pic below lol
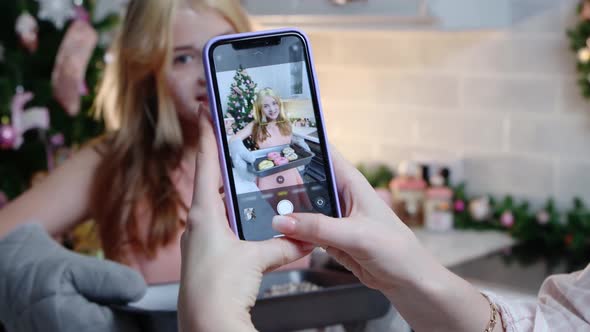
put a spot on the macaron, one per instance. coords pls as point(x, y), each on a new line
point(281, 161)
point(265, 164)
point(292, 156)
point(273, 155)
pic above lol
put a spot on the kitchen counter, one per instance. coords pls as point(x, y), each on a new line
point(308, 133)
point(459, 246)
point(454, 248)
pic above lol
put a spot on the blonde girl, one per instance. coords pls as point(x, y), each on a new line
point(269, 110)
point(136, 181)
point(271, 127)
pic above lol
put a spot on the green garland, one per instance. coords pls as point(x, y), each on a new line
point(580, 43)
point(378, 177)
point(547, 228)
point(547, 231)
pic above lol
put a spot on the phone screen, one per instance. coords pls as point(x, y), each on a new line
point(274, 138)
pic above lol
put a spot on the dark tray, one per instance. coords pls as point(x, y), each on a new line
point(341, 300)
point(305, 158)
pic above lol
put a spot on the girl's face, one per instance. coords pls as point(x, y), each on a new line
point(186, 77)
point(270, 108)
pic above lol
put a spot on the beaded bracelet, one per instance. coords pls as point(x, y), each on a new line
point(493, 315)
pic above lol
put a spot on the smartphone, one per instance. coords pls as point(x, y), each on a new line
point(266, 111)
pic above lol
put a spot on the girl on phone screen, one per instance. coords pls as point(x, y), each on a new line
point(271, 127)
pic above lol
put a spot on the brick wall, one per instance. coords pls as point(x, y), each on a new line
point(504, 101)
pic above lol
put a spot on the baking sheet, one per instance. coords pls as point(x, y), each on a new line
point(304, 159)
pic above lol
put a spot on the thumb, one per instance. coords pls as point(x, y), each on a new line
point(106, 282)
point(278, 252)
point(319, 229)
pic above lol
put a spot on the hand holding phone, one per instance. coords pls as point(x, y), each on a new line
point(275, 157)
point(373, 243)
point(221, 275)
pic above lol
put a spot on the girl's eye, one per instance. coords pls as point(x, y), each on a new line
point(183, 59)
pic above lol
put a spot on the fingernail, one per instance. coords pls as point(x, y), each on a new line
point(284, 224)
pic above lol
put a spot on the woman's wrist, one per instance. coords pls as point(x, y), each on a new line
point(439, 300)
point(217, 319)
point(223, 324)
point(211, 312)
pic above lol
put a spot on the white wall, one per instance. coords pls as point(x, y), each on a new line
point(506, 101)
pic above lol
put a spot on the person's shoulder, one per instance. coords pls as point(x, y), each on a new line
point(91, 153)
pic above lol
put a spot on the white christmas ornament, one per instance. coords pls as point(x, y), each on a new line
point(27, 29)
point(104, 8)
point(56, 11)
point(584, 55)
point(480, 208)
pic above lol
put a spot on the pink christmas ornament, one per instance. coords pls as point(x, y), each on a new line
point(459, 205)
point(24, 120)
point(81, 14)
point(57, 140)
point(84, 89)
point(7, 137)
point(507, 219)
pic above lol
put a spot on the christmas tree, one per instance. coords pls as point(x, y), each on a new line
point(240, 103)
point(51, 56)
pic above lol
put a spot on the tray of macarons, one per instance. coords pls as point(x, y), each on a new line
point(278, 159)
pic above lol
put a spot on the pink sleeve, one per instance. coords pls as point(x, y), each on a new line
point(563, 304)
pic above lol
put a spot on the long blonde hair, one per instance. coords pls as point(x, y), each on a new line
point(144, 142)
point(260, 131)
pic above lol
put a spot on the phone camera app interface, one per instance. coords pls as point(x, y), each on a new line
point(278, 160)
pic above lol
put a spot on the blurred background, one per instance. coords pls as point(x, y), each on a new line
point(470, 117)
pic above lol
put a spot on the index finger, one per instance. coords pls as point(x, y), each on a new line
point(207, 172)
point(319, 229)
